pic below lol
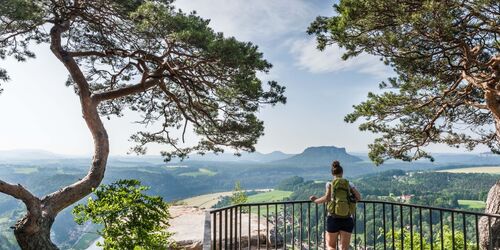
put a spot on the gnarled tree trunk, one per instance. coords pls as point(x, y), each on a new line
point(490, 229)
point(33, 230)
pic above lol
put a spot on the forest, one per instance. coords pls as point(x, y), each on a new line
point(439, 189)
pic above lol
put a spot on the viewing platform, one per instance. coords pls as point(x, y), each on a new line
point(378, 225)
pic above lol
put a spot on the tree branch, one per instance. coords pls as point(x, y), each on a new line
point(125, 91)
point(20, 193)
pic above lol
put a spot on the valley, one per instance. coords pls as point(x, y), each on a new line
point(447, 182)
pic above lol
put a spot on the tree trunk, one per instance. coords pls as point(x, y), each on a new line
point(33, 232)
point(490, 229)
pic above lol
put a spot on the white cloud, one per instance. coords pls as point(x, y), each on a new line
point(308, 57)
point(260, 20)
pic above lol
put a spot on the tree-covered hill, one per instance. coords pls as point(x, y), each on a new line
point(438, 189)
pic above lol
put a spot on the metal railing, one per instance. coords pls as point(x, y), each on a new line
point(378, 225)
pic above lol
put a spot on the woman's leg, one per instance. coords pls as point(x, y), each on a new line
point(345, 240)
point(331, 240)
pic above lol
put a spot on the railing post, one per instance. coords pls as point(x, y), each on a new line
point(392, 227)
point(364, 223)
point(207, 231)
point(230, 228)
point(276, 226)
point(453, 230)
point(225, 229)
point(430, 228)
point(249, 226)
point(374, 228)
point(258, 226)
point(300, 226)
point(421, 228)
point(441, 224)
point(490, 241)
point(220, 229)
point(464, 221)
point(309, 225)
point(236, 242)
point(402, 227)
point(241, 223)
point(293, 226)
point(214, 232)
point(325, 215)
point(267, 226)
point(477, 231)
point(284, 226)
point(317, 225)
point(383, 223)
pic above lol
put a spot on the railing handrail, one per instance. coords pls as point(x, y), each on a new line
point(362, 201)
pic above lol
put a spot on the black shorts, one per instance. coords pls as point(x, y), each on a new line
point(334, 225)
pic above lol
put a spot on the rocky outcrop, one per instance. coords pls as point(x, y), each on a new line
point(188, 228)
point(187, 225)
point(257, 232)
point(490, 229)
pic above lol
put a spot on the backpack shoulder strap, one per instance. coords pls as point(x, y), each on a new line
point(332, 189)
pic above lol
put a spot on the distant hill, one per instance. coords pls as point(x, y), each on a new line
point(317, 156)
point(467, 159)
point(27, 154)
point(250, 157)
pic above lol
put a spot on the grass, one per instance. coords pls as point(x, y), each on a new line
point(200, 172)
point(275, 195)
point(27, 170)
point(472, 204)
point(207, 200)
point(474, 170)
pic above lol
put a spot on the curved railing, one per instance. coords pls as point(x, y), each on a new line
point(378, 225)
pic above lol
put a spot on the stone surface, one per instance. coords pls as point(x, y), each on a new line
point(493, 225)
point(187, 225)
point(258, 231)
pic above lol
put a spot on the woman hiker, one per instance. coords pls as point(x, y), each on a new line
point(341, 198)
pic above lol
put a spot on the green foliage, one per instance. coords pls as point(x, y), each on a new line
point(131, 219)
point(407, 240)
point(290, 183)
point(448, 240)
point(275, 195)
point(196, 77)
point(436, 188)
point(239, 196)
point(446, 57)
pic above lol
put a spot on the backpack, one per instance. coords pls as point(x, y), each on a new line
point(342, 203)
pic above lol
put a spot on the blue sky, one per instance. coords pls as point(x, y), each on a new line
point(39, 112)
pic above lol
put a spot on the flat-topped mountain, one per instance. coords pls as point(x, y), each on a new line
point(324, 155)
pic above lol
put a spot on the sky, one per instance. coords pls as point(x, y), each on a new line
point(38, 112)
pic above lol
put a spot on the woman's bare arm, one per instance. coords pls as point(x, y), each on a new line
point(357, 195)
point(322, 199)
